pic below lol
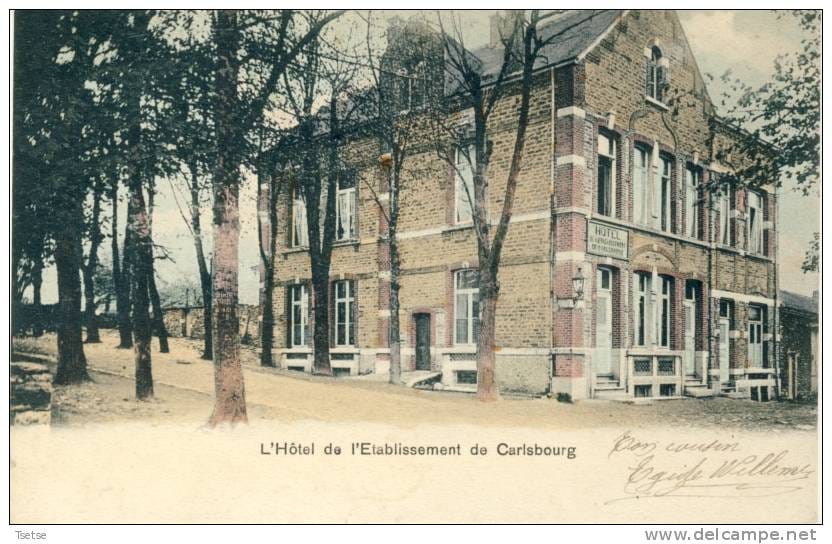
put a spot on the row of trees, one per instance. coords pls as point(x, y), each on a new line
point(111, 102)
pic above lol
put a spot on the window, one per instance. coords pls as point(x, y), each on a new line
point(663, 191)
point(692, 180)
point(641, 185)
point(345, 208)
point(646, 312)
point(663, 327)
point(755, 222)
point(466, 377)
point(756, 326)
point(299, 314)
point(344, 313)
point(643, 391)
point(412, 88)
point(300, 236)
point(642, 304)
point(464, 184)
point(466, 307)
point(657, 75)
point(725, 236)
point(606, 175)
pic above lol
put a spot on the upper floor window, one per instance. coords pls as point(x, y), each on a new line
point(466, 307)
point(412, 88)
point(300, 235)
point(663, 190)
point(726, 237)
point(344, 313)
point(641, 186)
point(465, 160)
point(298, 314)
point(606, 175)
point(755, 223)
point(345, 225)
point(692, 181)
point(657, 74)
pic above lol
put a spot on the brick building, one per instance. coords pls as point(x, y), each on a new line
point(799, 346)
point(620, 277)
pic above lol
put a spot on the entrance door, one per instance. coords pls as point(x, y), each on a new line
point(755, 336)
point(690, 337)
point(724, 350)
point(422, 341)
point(603, 322)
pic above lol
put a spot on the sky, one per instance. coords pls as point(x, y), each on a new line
point(745, 42)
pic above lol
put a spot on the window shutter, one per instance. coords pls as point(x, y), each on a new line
point(287, 312)
point(635, 309)
point(354, 294)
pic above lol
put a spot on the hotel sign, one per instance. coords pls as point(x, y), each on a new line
point(607, 241)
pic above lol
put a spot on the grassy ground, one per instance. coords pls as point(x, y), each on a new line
point(184, 391)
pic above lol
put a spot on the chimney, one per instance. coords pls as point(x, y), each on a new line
point(502, 25)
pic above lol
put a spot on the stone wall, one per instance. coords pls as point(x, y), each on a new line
point(190, 322)
point(30, 394)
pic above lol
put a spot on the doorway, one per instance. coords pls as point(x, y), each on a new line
point(422, 341)
point(603, 322)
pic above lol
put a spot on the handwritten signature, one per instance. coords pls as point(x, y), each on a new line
point(658, 472)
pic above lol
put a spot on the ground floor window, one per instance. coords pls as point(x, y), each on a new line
point(466, 377)
point(643, 391)
point(298, 315)
point(756, 326)
point(466, 307)
point(344, 313)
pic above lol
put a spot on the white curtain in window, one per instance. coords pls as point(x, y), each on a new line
point(301, 237)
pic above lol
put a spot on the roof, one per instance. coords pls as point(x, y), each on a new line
point(577, 30)
point(799, 302)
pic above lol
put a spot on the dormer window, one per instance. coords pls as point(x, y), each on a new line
point(657, 74)
point(412, 89)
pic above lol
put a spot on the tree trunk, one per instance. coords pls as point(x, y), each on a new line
point(267, 324)
point(229, 388)
point(204, 273)
point(267, 257)
point(320, 335)
point(37, 307)
point(486, 358)
point(158, 315)
point(120, 285)
point(72, 364)
point(89, 269)
point(394, 332)
point(137, 246)
point(93, 336)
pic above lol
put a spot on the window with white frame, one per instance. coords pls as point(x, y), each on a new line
point(466, 307)
point(663, 190)
point(465, 161)
point(641, 282)
point(299, 314)
point(756, 327)
point(413, 88)
point(344, 313)
point(641, 185)
point(657, 74)
point(345, 214)
point(692, 180)
point(755, 222)
point(664, 320)
point(606, 175)
point(300, 235)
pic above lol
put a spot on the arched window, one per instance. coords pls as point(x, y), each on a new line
point(657, 74)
